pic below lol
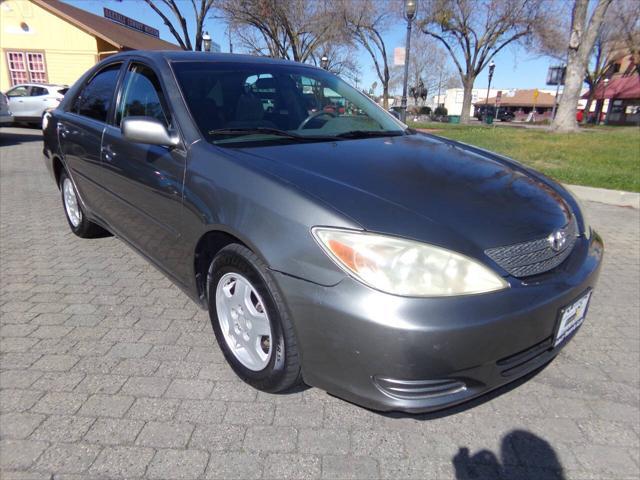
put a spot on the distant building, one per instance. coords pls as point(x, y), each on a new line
point(522, 103)
point(452, 99)
point(48, 41)
point(619, 97)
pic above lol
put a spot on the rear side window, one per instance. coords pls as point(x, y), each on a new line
point(96, 96)
point(38, 91)
point(142, 95)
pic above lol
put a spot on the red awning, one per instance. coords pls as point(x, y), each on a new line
point(620, 88)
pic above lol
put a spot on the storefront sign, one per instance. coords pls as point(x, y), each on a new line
point(130, 22)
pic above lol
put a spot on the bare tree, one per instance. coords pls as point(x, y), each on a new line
point(625, 13)
point(291, 29)
point(342, 60)
point(584, 32)
point(597, 71)
point(366, 24)
point(474, 31)
point(612, 42)
point(201, 9)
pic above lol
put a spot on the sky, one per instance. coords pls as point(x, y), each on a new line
point(515, 67)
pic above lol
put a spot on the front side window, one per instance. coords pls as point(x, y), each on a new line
point(96, 96)
point(141, 95)
point(21, 91)
point(238, 103)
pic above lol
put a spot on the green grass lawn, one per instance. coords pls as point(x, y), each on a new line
point(606, 157)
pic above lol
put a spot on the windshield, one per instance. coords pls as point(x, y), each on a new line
point(254, 103)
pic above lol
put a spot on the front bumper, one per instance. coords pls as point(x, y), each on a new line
point(421, 354)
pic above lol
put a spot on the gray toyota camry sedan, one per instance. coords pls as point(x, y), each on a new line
point(331, 244)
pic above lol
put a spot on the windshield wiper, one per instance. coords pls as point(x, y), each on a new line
point(370, 133)
point(266, 131)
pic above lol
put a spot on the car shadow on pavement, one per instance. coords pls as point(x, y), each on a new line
point(14, 136)
point(519, 449)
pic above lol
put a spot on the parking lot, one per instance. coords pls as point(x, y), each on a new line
point(109, 371)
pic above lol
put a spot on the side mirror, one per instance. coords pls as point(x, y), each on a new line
point(147, 130)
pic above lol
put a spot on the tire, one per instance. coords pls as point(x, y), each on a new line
point(230, 269)
point(76, 217)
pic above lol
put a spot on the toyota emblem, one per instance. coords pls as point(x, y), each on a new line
point(557, 240)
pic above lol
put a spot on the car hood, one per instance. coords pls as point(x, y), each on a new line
point(423, 187)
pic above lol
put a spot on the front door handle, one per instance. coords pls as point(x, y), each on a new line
point(62, 130)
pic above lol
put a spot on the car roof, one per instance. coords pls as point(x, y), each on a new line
point(188, 56)
point(46, 85)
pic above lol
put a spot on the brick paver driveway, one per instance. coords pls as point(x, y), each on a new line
point(108, 371)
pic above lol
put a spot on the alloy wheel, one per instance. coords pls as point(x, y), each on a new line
point(71, 205)
point(244, 321)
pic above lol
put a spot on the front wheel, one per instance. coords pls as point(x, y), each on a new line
point(250, 321)
point(78, 221)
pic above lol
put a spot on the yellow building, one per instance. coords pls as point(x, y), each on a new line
point(48, 41)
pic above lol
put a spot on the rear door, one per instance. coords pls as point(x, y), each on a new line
point(80, 130)
point(36, 102)
point(144, 181)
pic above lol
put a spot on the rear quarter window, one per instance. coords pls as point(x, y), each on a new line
point(96, 96)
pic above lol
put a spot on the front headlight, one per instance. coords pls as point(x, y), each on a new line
point(405, 267)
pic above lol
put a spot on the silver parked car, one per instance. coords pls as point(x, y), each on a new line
point(6, 118)
point(330, 243)
point(29, 101)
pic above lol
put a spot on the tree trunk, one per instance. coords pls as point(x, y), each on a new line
point(581, 42)
point(385, 96)
point(467, 84)
point(565, 120)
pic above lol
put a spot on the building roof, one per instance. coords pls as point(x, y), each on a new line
point(522, 98)
point(123, 38)
point(618, 88)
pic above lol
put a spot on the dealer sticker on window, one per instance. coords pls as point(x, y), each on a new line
point(571, 317)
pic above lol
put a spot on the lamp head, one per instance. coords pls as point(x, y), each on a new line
point(410, 9)
point(206, 40)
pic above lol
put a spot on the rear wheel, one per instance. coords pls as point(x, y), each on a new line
point(78, 221)
point(250, 321)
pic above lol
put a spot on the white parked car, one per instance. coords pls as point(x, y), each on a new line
point(29, 101)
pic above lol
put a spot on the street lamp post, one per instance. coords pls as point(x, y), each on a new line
point(206, 40)
point(410, 9)
point(492, 67)
point(324, 62)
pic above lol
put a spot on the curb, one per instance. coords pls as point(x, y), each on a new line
point(610, 197)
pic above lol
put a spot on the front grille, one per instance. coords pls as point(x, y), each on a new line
point(537, 256)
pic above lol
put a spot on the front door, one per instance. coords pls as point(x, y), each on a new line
point(18, 103)
point(144, 181)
